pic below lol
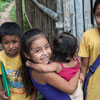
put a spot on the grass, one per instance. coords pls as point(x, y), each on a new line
point(4, 4)
point(13, 16)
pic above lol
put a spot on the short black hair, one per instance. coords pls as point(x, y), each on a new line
point(9, 28)
point(64, 46)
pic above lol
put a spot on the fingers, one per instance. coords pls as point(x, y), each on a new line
point(2, 95)
point(28, 63)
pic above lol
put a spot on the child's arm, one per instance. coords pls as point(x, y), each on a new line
point(53, 66)
point(2, 93)
point(84, 68)
point(58, 82)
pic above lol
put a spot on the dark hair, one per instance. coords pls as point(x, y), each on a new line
point(65, 46)
point(97, 2)
point(9, 28)
point(26, 41)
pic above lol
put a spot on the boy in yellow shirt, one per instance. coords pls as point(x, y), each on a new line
point(89, 51)
point(10, 33)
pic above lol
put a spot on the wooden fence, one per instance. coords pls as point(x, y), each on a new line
point(69, 14)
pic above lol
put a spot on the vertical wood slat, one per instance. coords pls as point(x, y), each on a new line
point(79, 18)
point(87, 14)
point(72, 13)
point(94, 21)
point(66, 15)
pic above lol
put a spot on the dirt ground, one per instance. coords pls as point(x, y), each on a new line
point(4, 16)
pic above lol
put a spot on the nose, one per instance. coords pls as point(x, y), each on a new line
point(11, 45)
point(45, 52)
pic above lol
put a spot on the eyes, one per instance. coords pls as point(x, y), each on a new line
point(98, 15)
point(40, 49)
point(7, 42)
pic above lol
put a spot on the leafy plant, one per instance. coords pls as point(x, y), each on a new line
point(13, 16)
point(4, 4)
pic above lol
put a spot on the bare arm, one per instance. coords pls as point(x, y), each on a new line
point(43, 67)
point(84, 68)
point(58, 82)
point(2, 93)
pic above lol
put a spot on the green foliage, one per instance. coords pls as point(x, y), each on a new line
point(4, 4)
point(25, 23)
point(13, 16)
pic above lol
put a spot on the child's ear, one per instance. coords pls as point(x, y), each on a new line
point(27, 56)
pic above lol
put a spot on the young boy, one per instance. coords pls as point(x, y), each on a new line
point(10, 56)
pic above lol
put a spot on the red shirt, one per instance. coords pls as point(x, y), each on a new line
point(68, 73)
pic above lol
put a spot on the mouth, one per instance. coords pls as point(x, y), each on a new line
point(45, 59)
point(12, 51)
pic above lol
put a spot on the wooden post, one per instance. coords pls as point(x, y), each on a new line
point(67, 26)
point(19, 13)
point(72, 16)
point(79, 18)
point(87, 14)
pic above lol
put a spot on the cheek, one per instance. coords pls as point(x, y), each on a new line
point(35, 57)
point(98, 21)
point(18, 45)
point(50, 51)
point(5, 47)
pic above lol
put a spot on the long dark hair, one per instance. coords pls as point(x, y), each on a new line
point(26, 42)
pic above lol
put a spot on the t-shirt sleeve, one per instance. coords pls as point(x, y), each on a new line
point(84, 47)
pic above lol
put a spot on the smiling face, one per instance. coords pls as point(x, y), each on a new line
point(97, 15)
point(40, 50)
point(11, 45)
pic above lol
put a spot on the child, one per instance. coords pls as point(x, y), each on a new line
point(65, 46)
point(89, 51)
point(10, 56)
point(35, 47)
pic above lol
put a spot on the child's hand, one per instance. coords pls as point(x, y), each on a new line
point(28, 63)
point(82, 78)
point(45, 68)
point(3, 96)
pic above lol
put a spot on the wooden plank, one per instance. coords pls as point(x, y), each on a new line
point(79, 19)
point(72, 16)
point(66, 15)
point(87, 14)
point(94, 21)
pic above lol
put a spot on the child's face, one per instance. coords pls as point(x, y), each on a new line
point(41, 51)
point(97, 15)
point(11, 45)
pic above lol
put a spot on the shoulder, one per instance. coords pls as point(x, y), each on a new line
point(90, 32)
point(89, 35)
point(44, 77)
point(2, 54)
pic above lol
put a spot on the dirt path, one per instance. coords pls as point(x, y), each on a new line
point(4, 16)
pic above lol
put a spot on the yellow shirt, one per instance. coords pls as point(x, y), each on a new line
point(15, 82)
point(90, 47)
